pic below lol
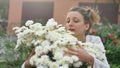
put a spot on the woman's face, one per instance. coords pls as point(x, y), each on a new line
point(75, 23)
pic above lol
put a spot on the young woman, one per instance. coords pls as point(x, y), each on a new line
point(80, 20)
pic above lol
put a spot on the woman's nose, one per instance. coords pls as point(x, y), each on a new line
point(70, 23)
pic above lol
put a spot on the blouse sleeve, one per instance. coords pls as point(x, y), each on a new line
point(98, 63)
point(23, 65)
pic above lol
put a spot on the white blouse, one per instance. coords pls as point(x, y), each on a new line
point(97, 63)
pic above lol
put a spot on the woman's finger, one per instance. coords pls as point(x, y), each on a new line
point(72, 49)
point(79, 45)
point(70, 52)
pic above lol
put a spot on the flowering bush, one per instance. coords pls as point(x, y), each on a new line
point(110, 35)
point(10, 58)
point(49, 42)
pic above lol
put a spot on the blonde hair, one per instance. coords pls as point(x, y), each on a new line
point(94, 14)
point(91, 15)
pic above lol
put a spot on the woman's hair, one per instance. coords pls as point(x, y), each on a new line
point(91, 16)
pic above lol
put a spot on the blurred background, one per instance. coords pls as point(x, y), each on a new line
point(17, 12)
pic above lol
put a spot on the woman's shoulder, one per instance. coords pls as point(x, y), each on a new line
point(94, 39)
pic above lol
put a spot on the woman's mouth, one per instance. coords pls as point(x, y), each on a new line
point(72, 30)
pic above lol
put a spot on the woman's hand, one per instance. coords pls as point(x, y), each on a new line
point(81, 53)
point(27, 64)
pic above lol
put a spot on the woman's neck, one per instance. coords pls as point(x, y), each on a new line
point(81, 38)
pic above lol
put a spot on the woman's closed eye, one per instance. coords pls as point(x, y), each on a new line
point(76, 20)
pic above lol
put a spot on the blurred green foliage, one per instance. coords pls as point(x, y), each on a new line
point(110, 36)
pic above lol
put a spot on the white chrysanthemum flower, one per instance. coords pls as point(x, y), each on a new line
point(26, 34)
point(61, 42)
point(65, 59)
point(18, 30)
point(99, 48)
point(20, 35)
point(37, 42)
point(38, 61)
point(58, 55)
point(89, 50)
point(44, 60)
point(45, 43)
point(54, 65)
point(46, 48)
point(29, 22)
point(28, 31)
point(51, 23)
point(24, 28)
point(28, 44)
point(38, 50)
point(36, 27)
point(44, 57)
point(71, 39)
point(59, 25)
point(33, 41)
point(40, 33)
point(53, 47)
point(40, 66)
point(61, 62)
point(33, 60)
point(77, 64)
point(15, 28)
point(61, 30)
point(21, 29)
point(75, 58)
point(53, 36)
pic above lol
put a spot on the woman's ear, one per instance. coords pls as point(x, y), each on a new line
point(87, 26)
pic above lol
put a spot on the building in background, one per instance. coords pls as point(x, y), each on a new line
point(21, 10)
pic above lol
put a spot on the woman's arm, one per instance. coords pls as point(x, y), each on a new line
point(98, 63)
point(85, 57)
point(101, 64)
